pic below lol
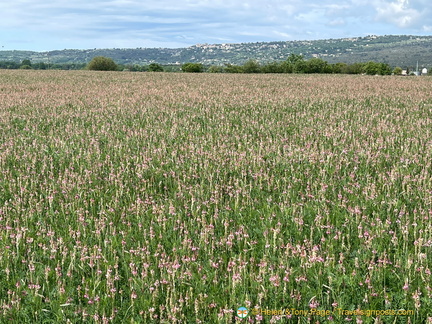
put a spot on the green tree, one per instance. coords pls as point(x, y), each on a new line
point(192, 67)
point(300, 66)
point(231, 68)
point(155, 67)
point(101, 63)
point(286, 67)
point(26, 62)
point(273, 67)
point(251, 66)
point(25, 67)
point(9, 65)
point(371, 68)
point(355, 68)
point(40, 66)
point(295, 63)
point(397, 70)
point(339, 68)
point(215, 69)
point(316, 65)
point(374, 68)
point(385, 69)
point(294, 58)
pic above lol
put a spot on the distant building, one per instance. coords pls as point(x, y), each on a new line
point(424, 71)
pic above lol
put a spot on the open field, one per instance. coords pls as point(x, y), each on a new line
point(177, 198)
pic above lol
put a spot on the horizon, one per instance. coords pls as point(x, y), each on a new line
point(210, 44)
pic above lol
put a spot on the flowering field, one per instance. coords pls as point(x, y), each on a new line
point(178, 198)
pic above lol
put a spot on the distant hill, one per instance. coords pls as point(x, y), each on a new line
point(396, 50)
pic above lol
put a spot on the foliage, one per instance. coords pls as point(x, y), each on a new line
point(9, 65)
point(355, 68)
point(26, 63)
point(286, 67)
point(251, 66)
point(215, 69)
point(131, 67)
point(192, 67)
point(273, 67)
point(293, 64)
point(155, 67)
point(317, 65)
point(338, 68)
point(172, 68)
point(294, 58)
point(40, 66)
point(375, 68)
point(231, 68)
point(101, 63)
point(397, 70)
point(43, 66)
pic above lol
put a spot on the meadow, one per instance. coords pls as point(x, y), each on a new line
point(177, 198)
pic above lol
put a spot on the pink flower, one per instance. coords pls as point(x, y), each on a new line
point(313, 304)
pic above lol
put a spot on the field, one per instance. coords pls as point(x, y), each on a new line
point(177, 198)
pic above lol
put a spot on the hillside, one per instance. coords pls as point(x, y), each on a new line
point(400, 50)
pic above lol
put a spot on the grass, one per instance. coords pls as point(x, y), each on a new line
point(177, 198)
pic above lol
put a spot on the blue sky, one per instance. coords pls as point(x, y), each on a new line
point(82, 24)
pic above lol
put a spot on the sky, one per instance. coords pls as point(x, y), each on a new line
point(41, 25)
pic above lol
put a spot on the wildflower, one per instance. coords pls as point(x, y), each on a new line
point(406, 286)
point(313, 304)
point(416, 296)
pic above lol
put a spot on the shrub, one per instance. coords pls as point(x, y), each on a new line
point(192, 67)
point(155, 67)
point(397, 71)
point(215, 69)
point(101, 63)
point(251, 66)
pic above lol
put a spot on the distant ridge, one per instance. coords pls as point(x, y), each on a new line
point(396, 50)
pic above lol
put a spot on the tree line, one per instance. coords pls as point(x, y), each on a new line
point(293, 64)
point(27, 65)
point(298, 64)
point(98, 63)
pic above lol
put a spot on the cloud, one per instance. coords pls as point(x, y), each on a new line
point(337, 22)
point(404, 13)
point(38, 24)
point(397, 12)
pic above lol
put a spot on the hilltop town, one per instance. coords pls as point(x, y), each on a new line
point(396, 50)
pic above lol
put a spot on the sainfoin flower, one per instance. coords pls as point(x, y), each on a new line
point(162, 197)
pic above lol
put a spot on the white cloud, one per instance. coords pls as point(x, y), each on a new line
point(404, 13)
point(283, 35)
point(337, 22)
point(40, 24)
point(396, 12)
